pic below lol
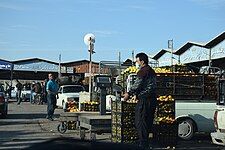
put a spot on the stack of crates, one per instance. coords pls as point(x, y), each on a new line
point(165, 125)
point(123, 128)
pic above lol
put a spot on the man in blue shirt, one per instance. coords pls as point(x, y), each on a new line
point(52, 89)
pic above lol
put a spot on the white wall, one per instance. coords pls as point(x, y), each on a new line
point(219, 50)
point(165, 60)
point(194, 54)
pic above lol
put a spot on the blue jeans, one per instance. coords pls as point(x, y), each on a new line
point(51, 101)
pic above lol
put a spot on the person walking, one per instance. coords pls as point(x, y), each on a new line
point(32, 93)
point(144, 88)
point(52, 89)
point(19, 87)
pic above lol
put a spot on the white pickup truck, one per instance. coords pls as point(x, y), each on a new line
point(218, 137)
point(192, 115)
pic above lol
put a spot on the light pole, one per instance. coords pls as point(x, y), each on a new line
point(89, 40)
point(59, 74)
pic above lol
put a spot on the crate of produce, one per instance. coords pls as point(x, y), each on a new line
point(124, 119)
point(165, 126)
point(72, 106)
point(165, 111)
point(166, 134)
point(123, 106)
point(123, 116)
point(89, 106)
point(122, 134)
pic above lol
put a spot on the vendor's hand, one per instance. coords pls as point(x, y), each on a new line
point(126, 96)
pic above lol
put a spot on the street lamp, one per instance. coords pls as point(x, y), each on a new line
point(89, 40)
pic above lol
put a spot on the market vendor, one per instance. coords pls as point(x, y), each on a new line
point(144, 88)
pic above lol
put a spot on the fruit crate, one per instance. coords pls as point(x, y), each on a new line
point(122, 106)
point(165, 111)
point(90, 106)
point(123, 116)
point(72, 106)
point(166, 134)
point(165, 126)
point(187, 86)
point(123, 134)
point(124, 119)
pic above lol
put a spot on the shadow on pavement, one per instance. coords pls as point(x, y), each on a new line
point(13, 135)
point(29, 116)
point(71, 143)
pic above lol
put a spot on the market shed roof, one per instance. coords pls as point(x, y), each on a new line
point(77, 62)
point(186, 46)
point(33, 60)
point(160, 53)
point(216, 40)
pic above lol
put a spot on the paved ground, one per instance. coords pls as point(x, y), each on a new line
point(26, 125)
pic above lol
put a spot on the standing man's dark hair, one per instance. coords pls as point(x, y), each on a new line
point(142, 57)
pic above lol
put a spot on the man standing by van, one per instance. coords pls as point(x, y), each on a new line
point(19, 87)
point(52, 89)
point(144, 88)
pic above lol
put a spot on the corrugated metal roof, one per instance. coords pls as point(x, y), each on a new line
point(34, 60)
point(188, 45)
point(216, 40)
point(160, 53)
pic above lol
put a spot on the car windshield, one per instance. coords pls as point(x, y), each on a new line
point(73, 89)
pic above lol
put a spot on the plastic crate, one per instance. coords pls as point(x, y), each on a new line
point(123, 134)
point(123, 119)
point(166, 135)
point(122, 106)
point(89, 107)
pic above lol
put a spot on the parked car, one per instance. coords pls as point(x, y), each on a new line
point(68, 93)
point(3, 104)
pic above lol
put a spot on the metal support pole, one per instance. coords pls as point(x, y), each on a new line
point(133, 58)
point(59, 75)
point(102, 101)
point(119, 64)
point(210, 57)
point(11, 78)
point(170, 46)
point(90, 73)
point(99, 68)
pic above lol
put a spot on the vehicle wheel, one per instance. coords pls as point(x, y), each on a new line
point(92, 136)
point(62, 127)
point(186, 129)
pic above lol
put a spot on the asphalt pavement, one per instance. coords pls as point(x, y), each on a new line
point(26, 125)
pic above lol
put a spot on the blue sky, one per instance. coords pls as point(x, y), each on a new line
point(46, 28)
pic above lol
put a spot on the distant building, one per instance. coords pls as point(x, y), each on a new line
point(82, 66)
point(33, 69)
point(196, 54)
point(163, 57)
